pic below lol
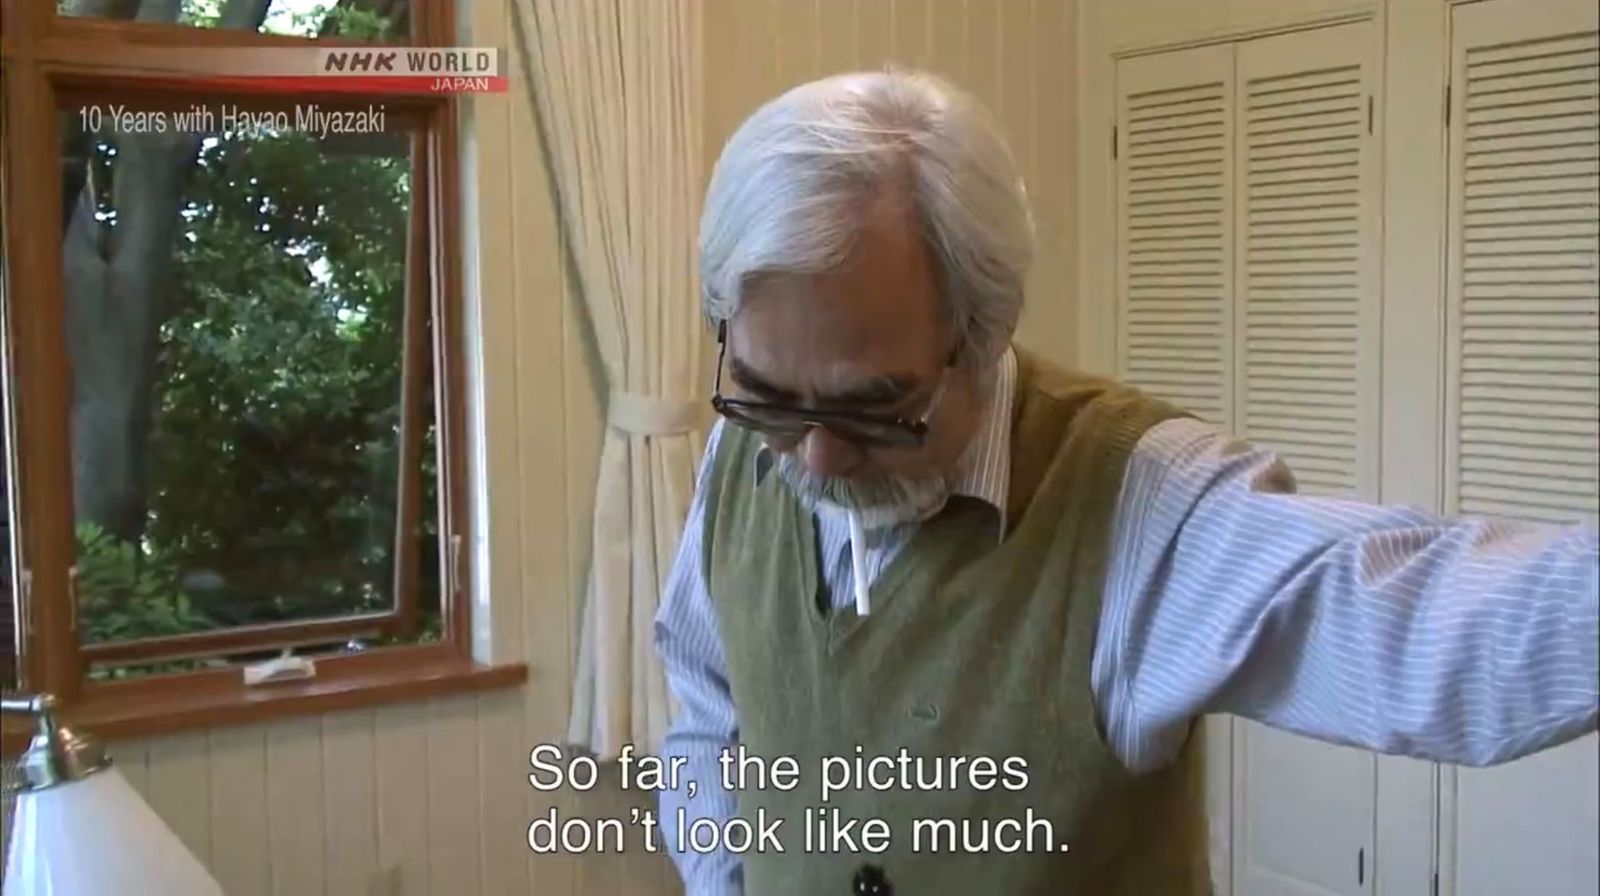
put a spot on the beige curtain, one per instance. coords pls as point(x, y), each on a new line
point(616, 91)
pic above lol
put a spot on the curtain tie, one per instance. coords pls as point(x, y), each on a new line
point(646, 415)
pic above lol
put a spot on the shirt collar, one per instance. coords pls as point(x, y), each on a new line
point(985, 469)
point(984, 472)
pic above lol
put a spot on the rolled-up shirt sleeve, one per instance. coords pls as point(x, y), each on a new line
point(1459, 640)
point(705, 724)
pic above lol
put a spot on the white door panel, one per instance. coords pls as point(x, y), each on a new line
point(1523, 383)
point(1529, 826)
point(1307, 207)
point(1304, 815)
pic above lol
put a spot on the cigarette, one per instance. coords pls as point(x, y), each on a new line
point(858, 563)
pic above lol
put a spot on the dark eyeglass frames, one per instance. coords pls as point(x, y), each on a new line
point(793, 422)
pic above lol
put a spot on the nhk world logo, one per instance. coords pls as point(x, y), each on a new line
point(352, 70)
point(439, 70)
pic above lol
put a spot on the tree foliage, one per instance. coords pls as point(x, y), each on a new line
point(273, 434)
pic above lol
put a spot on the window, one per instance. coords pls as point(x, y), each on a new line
point(235, 379)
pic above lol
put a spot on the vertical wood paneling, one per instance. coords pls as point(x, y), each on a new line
point(1049, 319)
point(948, 41)
point(1060, 126)
point(641, 871)
point(770, 72)
point(727, 27)
point(794, 23)
point(400, 757)
point(835, 28)
point(178, 779)
point(759, 38)
point(502, 780)
point(875, 33)
point(349, 802)
point(913, 29)
point(295, 824)
point(761, 25)
point(130, 758)
point(605, 869)
point(983, 52)
point(453, 795)
point(1014, 102)
point(598, 872)
point(239, 845)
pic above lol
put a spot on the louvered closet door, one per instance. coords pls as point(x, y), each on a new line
point(1306, 347)
point(1309, 236)
point(1175, 277)
point(1525, 366)
point(1174, 227)
point(1523, 325)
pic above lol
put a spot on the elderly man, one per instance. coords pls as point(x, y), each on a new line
point(994, 586)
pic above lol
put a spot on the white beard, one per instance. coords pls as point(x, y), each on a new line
point(881, 502)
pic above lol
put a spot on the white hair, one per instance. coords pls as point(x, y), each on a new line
point(789, 193)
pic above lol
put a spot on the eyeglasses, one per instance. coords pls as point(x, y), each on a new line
point(792, 422)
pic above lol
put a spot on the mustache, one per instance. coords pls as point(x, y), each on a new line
point(859, 493)
point(880, 499)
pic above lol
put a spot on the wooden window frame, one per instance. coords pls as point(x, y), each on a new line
point(49, 59)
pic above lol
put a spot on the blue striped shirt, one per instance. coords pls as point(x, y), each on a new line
point(1466, 641)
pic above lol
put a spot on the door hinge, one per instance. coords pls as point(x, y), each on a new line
point(1447, 105)
point(1361, 866)
point(1435, 883)
point(1369, 116)
point(1113, 143)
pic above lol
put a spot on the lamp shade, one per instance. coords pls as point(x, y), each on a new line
point(96, 837)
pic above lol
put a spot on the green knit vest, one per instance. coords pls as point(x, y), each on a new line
point(977, 646)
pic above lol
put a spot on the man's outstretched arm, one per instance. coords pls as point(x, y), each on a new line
point(1467, 641)
point(691, 650)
